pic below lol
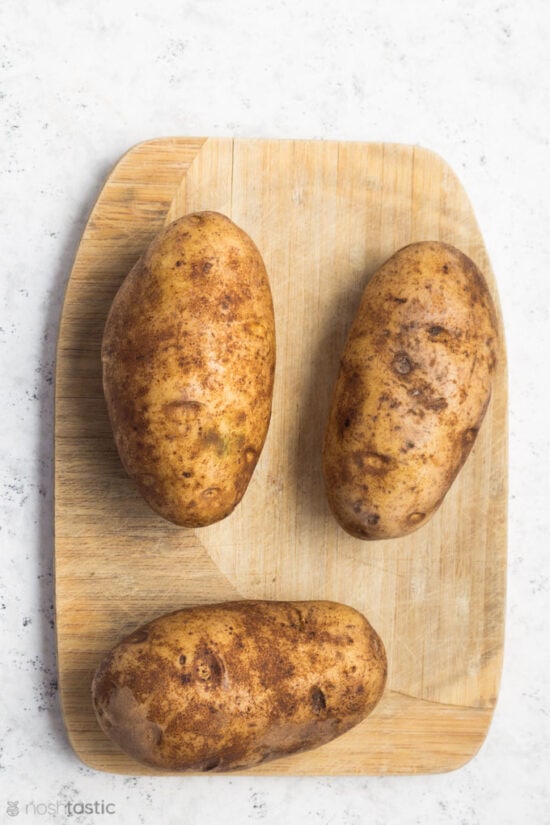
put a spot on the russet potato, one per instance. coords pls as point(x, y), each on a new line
point(414, 384)
point(188, 365)
point(232, 685)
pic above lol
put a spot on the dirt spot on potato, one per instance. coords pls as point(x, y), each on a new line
point(350, 397)
point(408, 445)
point(317, 700)
point(372, 462)
point(208, 667)
point(425, 396)
point(211, 492)
point(402, 364)
point(173, 408)
point(212, 438)
point(436, 331)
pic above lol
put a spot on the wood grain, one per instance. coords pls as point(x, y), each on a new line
point(324, 215)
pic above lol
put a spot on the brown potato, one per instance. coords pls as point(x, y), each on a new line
point(232, 685)
point(188, 364)
point(412, 391)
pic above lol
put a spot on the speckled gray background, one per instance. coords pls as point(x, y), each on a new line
point(81, 82)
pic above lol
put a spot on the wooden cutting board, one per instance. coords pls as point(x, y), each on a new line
point(325, 215)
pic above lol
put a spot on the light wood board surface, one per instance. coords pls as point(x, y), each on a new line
point(325, 215)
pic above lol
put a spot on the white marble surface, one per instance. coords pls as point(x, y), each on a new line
point(80, 82)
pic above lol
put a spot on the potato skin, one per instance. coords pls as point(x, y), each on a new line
point(413, 387)
point(188, 365)
point(231, 685)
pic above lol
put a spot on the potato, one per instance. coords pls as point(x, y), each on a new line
point(413, 387)
point(188, 364)
point(231, 685)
